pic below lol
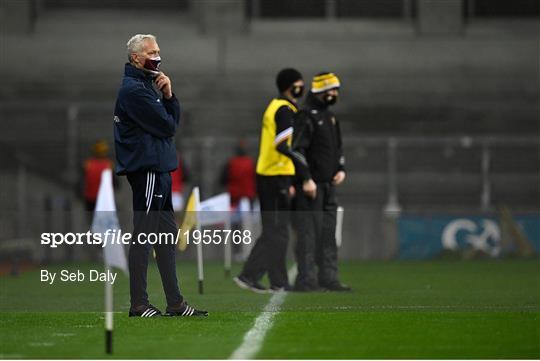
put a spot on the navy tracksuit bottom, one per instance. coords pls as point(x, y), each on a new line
point(153, 213)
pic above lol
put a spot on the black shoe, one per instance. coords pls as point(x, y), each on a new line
point(337, 287)
point(276, 289)
point(247, 284)
point(185, 310)
point(148, 311)
point(301, 287)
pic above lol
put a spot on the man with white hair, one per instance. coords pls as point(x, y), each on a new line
point(146, 117)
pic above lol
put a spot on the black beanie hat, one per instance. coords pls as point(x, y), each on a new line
point(286, 78)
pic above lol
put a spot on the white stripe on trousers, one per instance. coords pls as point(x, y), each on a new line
point(150, 194)
point(147, 183)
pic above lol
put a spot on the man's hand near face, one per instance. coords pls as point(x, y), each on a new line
point(164, 84)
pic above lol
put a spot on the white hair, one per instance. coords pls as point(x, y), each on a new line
point(135, 44)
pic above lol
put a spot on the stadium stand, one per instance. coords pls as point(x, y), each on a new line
point(445, 98)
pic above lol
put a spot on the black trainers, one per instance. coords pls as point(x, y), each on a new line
point(247, 284)
point(337, 287)
point(185, 310)
point(302, 287)
point(276, 289)
point(148, 311)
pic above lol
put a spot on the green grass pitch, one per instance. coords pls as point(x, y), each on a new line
point(436, 309)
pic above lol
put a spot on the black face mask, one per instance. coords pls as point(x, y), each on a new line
point(297, 91)
point(330, 99)
point(152, 66)
point(152, 63)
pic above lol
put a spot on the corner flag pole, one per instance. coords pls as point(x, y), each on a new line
point(228, 248)
point(104, 219)
point(339, 226)
point(200, 266)
point(199, 245)
point(108, 315)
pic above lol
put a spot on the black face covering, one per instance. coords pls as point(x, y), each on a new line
point(151, 66)
point(153, 63)
point(330, 99)
point(297, 91)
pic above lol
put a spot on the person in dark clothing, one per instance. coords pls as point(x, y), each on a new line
point(317, 137)
point(146, 117)
point(275, 171)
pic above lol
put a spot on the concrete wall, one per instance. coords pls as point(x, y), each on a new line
point(397, 79)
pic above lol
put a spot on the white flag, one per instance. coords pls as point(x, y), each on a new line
point(105, 218)
point(215, 210)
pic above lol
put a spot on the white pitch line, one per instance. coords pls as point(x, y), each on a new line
point(253, 339)
point(63, 334)
point(10, 355)
point(41, 344)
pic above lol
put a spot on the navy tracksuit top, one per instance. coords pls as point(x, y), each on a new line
point(144, 125)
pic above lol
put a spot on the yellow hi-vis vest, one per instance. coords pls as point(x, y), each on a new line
point(270, 161)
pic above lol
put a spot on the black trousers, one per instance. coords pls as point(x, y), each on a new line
point(153, 213)
point(315, 225)
point(270, 250)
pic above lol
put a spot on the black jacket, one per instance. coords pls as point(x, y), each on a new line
point(317, 137)
point(144, 125)
point(284, 121)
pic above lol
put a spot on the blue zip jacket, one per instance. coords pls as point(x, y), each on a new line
point(144, 125)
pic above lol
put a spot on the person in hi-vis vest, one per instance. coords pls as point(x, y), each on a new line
point(275, 173)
